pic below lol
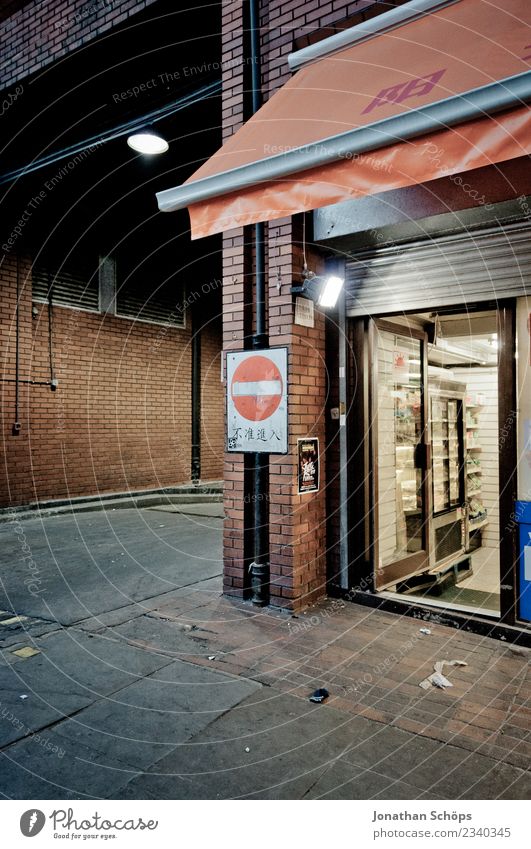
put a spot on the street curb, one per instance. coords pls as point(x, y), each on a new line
point(207, 493)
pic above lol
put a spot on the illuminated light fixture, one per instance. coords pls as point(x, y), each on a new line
point(148, 141)
point(324, 291)
point(330, 291)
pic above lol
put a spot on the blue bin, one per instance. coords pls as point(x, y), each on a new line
point(523, 517)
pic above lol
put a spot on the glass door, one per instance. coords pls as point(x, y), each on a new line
point(400, 453)
point(446, 452)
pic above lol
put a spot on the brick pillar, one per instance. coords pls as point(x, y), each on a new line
point(235, 310)
point(297, 522)
point(234, 315)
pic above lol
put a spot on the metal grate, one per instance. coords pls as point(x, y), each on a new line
point(137, 301)
point(448, 540)
point(70, 287)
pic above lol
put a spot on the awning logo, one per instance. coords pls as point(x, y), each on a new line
point(403, 91)
point(32, 822)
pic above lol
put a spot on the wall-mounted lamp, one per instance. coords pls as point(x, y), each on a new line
point(323, 290)
point(148, 141)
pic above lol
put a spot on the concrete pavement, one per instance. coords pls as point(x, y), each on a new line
point(146, 683)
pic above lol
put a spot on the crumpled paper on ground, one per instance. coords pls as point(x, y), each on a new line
point(437, 679)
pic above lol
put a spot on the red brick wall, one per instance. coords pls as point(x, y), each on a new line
point(121, 416)
point(298, 542)
point(235, 326)
point(212, 402)
point(40, 33)
point(297, 522)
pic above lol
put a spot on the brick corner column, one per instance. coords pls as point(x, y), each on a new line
point(297, 522)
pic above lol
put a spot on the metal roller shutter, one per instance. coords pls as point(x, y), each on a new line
point(463, 268)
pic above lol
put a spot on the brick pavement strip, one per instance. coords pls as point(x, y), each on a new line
point(379, 735)
point(477, 711)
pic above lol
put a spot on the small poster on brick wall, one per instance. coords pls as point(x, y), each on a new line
point(304, 312)
point(308, 454)
point(257, 401)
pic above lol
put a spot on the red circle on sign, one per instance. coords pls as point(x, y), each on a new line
point(256, 388)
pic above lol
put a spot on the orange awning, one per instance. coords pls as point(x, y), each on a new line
point(440, 95)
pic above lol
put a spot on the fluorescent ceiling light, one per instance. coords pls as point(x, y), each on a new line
point(148, 141)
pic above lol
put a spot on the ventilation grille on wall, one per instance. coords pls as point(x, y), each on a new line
point(135, 300)
point(70, 287)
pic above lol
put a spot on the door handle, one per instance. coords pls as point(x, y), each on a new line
point(420, 455)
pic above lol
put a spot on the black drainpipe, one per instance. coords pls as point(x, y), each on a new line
point(196, 399)
point(16, 424)
point(260, 564)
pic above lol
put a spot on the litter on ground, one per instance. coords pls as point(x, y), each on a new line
point(319, 695)
point(437, 679)
point(26, 651)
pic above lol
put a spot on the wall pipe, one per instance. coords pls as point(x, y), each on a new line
point(196, 399)
point(260, 565)
point(339, 268)
point(53, 382)
point(16, 424)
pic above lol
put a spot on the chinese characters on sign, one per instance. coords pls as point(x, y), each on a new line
point(308, 454)
point(257, 404)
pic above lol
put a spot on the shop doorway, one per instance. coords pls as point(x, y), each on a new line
point(435, 458)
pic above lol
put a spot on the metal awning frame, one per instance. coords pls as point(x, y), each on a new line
point(485, 101)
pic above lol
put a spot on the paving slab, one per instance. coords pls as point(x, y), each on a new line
point(165, 636)
point(342, 781)
point(295, 751)
point(276, 746)
point(100, 749)
point(57, 768)
point(72, 670)
point(445, 770)
point(147, 720)
point(87, 564)
point(130, 614)
point(271, 743)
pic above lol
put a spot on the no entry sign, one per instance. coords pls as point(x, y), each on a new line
point(257, 401)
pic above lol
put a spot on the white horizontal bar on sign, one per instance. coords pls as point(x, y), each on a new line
point(257, 387)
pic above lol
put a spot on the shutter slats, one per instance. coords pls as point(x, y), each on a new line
point(136, 301)
point(475, 266)
point(69, 288)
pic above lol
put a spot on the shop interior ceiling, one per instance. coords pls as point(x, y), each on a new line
point(105, 200)
point(465, 338)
